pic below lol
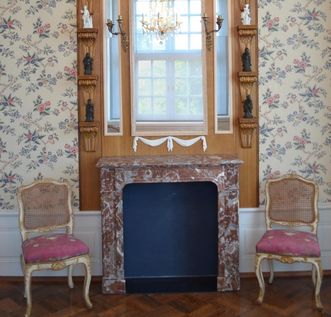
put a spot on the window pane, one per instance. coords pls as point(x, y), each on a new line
point(112, 84)
point(160, 106)
point(195, 68)
point(195, 105)
point(180, 69)
point(181, 42)
point(159, 67)
point(167, 81)
point(195, 87)
point(195, 24)
point(223, 91)
point(145, 87)
point(195, 7)
point(181, 105)
point(144, 105)
point(144, 68)
point(181, 87)
point(160, 87)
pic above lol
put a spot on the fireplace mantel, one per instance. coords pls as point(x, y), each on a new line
point(117, 172)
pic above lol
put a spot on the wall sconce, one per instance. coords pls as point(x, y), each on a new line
point(209, 38)
point(124, 38)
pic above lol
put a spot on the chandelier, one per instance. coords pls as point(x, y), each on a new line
point(161, 19)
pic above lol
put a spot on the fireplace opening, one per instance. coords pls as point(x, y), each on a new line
point(170, 237)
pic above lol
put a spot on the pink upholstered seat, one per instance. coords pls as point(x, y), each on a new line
point(287, 242)
point(52, 247)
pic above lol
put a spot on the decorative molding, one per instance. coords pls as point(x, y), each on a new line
point(88, 83)
point(247, 127)
point(89, 131)
point(88, 37)
point(246, 34)
point(170, 143)
point(246, 80)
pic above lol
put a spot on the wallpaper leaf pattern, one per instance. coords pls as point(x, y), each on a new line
point(295, 96)
point(38, 95)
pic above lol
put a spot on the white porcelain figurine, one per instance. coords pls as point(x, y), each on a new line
point(246, 15)
point(87, 19)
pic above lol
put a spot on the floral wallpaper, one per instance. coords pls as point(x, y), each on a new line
point(295, 91)
point(38, 95)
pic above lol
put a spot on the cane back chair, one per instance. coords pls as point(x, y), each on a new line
point(291, 201)
point(45, 207)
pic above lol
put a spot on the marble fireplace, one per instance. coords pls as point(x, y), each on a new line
point(117, 172)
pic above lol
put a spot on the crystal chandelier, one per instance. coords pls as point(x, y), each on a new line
point(161, 19)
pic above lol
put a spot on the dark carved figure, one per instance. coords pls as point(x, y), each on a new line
point(89, 111)
point(246, 59)
point(248, 107)
point(88, 61)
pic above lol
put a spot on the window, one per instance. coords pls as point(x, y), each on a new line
point(112, 91)
point(168, 78)
point(223, 63)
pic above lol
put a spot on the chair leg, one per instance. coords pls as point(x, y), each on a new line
point(23, 270)
point(27, 291)
point(271, 268)
point(70, 281)
point(87, 281)
point(319, 273)
point(259, 275)
point(313, 274)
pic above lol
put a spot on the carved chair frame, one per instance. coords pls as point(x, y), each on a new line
point(317, 271)
point(28, 268)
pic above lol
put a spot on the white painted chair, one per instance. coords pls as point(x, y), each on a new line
point(291, 202)
point(45, 206)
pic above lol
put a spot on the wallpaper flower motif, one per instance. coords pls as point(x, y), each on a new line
point(38, 95)
point(295, 96)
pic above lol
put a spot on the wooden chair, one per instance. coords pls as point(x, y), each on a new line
point(291, 202)
point(45, 207)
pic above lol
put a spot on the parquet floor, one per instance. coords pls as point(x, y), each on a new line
point(285, 297)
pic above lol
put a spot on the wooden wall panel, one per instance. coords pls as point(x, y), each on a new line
point(217, 143)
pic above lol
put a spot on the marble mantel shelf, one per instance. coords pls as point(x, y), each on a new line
point(166, 160)
point(117, 172)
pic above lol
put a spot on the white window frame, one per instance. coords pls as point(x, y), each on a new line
point(112, 43)
point(226, 120)
point(166, 127)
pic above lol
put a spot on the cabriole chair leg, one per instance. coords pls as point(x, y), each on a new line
point(259, 275)
point(87, 282)
point(27, 292)
point(318, 269)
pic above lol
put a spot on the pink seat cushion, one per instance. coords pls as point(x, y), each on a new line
point(53, 247)
point(287, 242)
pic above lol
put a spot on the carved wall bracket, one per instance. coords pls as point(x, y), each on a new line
point(88, 38)
point(247, 80)
point(246, 34)
point(89, 131)
point(88, 83)
point(247, 127)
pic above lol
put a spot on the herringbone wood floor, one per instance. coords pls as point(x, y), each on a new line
point(287, 296)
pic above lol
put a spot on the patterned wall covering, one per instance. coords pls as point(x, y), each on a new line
point(38, 95)
point(295, 90)
point(38, 102)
